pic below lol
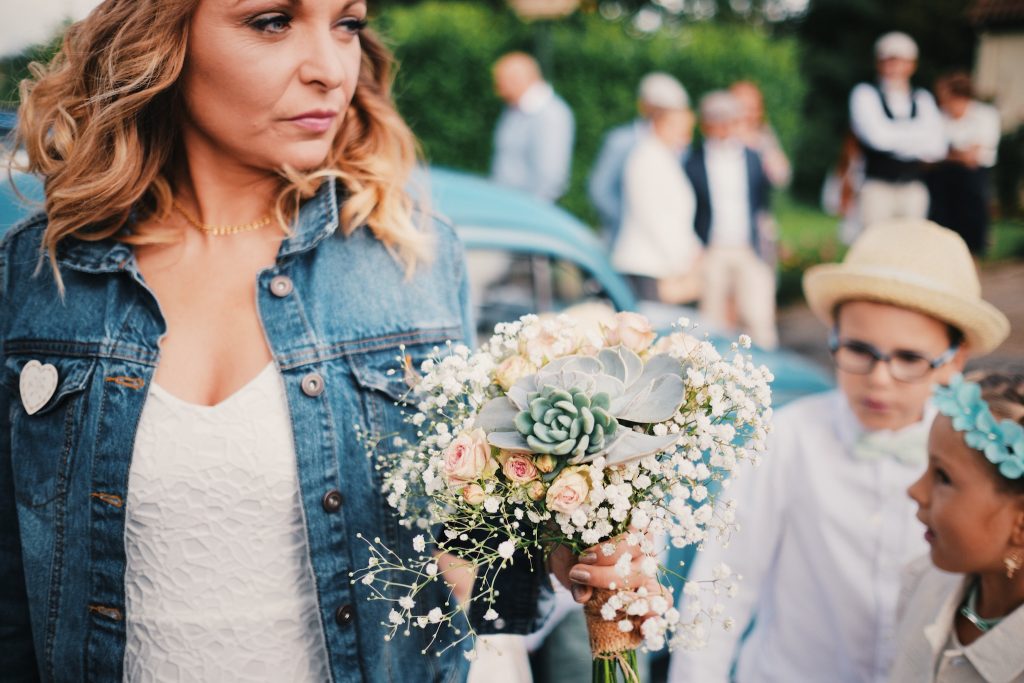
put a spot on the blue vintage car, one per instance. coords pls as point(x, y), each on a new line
point(525, 256)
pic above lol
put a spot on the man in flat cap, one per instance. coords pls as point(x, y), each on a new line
point(899, 129)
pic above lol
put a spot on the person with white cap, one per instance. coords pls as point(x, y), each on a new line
point(899, 128)
point(657, 91)
point(732, 192)
point(825, 526)
point(656, 247)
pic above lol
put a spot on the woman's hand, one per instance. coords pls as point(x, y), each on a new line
point(458, 574)
point(596, 569)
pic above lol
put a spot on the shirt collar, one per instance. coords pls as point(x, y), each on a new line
point(535, 97)
point(997, 655)
point(318, 218)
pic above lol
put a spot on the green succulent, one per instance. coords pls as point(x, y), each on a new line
point(566, 421)
point(581, 408)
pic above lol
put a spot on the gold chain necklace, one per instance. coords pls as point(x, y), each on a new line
point(218, 230)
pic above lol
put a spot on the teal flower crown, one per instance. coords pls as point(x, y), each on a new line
point(1002, 442)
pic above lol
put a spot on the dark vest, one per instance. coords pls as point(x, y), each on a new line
point(885, 166)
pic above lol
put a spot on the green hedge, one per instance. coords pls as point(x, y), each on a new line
point(446, 50)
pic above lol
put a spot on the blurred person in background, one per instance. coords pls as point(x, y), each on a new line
point(657, 91)
point(657, 248)
point(534, 135)
point(731, 190)
point(824, 525)
point(757, 133)
point(899, 129)
point(959, 185)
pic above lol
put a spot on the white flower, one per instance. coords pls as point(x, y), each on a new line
point(625, 625)
point(431, 569)
point(406, 602)
point(490, 615)
point(507, 548)
point(418, 544)
point(434, 616)
point(395, 618)
point(492, 503)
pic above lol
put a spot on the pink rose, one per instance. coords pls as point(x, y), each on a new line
point(631, 330)
point(466, 457)
point(511, 370)
point(519, 468)
point(568, 491)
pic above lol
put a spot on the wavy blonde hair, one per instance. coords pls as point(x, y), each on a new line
point(100, 124)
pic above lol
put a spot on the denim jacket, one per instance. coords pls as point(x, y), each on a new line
point(337, 312)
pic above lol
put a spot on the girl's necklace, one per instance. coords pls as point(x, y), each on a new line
point(218, 230)
point(968, 610)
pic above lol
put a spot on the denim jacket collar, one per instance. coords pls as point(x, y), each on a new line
point(318, 219)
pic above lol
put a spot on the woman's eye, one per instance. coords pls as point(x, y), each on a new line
point(270, 23)
point(352, 25)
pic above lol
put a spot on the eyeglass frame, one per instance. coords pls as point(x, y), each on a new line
point(834, 344)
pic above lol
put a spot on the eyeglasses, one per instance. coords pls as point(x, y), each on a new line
point(859, 358)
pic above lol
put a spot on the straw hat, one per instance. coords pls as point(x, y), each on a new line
point(912, 264)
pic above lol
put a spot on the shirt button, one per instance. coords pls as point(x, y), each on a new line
point(281, 286)
point(313, 384)
point(344, 615)
point(332, 501)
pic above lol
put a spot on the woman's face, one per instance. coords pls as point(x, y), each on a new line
point(971, 523)
point(267, 82)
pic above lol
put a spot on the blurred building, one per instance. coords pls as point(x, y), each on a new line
point(998, 71)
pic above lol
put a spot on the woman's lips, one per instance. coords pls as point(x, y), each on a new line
point(315, 122)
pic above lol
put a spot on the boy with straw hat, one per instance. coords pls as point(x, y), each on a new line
point(825, 525)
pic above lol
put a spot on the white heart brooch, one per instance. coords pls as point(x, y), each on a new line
point(37, 384)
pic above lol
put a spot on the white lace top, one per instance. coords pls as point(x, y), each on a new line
point(219, 585)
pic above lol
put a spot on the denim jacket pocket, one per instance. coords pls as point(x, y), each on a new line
point(43, 443)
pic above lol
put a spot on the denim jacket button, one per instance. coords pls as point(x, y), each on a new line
point(313, 384)
point(332, 501)
point(281, 286)
point(344, 615)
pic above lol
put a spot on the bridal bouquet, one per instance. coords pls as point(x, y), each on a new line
point(560, 433)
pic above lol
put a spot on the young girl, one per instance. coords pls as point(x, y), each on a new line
point(968, 624)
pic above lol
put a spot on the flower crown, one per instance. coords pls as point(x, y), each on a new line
point(1002, 442)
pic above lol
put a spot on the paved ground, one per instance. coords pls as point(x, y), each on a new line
point(1001, 283)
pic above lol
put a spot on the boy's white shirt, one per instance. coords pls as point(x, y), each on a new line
point(823, 538)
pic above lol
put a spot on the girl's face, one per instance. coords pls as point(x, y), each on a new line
point(972, 524)
point(267, 82)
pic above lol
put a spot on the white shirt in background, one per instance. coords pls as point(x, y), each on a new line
point(656, 238)
point(979, 126)
point(823, 537)
point(922, 137)
point(726, 164)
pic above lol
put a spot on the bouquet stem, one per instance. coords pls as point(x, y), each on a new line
point(614, 651)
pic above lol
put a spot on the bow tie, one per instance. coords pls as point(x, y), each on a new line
point(908, 446)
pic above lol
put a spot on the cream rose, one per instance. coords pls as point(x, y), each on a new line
point(474, 494)
point(466, 458)
point(511, 370)
point(631, 330)
point(535, 489)
point(684, 344)
point(568, 491)
point(545, 462)
point(519, 468)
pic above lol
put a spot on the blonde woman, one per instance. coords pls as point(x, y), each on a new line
point(192, 334)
